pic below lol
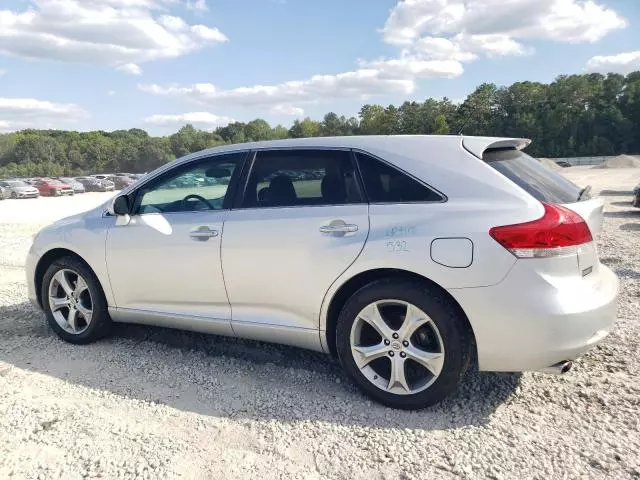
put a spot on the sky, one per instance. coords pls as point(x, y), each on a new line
point(159, 64)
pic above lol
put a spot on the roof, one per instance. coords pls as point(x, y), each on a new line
point(475, 145)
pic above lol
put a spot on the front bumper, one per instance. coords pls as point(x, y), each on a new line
point(527, 323)
point(30, 269)
point(28, 194)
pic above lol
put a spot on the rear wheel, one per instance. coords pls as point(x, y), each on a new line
point(74, 302)
point(402, 344)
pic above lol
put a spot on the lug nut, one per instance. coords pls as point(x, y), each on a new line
point(387, 342)
point(391, 354)
point(395, 335)
point(405, 343)
point(402, 354)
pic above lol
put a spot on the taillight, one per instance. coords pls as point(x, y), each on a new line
point(557, 233)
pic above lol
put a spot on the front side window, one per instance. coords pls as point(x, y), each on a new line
point(386, 184)
point(198, 186)
point(296, 178)
point(17, 183)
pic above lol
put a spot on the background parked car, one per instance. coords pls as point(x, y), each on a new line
point(73, 183)
point(92, 184)
point(19, 189)
point(3, 193)
point(52, 187)
point(121, 181)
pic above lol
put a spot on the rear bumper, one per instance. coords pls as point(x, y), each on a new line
point(528, 323)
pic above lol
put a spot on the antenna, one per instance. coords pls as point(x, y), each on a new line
point(466, 121)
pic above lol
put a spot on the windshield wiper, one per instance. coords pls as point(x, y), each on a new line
point(584, 193)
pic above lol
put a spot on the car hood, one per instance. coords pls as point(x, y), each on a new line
point(78, 218)
point(26, 188)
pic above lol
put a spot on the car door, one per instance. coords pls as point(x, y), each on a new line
point(301, 222)
point(166, 259)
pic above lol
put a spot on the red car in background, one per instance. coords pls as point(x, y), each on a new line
point(52, 188)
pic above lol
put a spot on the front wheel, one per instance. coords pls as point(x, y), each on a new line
point(74, 302)
point(402, 344)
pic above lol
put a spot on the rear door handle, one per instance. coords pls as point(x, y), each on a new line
point(203, 233)
point(339, 228)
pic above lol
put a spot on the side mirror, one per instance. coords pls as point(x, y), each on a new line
point(121, 205)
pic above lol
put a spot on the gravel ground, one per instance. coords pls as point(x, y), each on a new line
point(156, 403)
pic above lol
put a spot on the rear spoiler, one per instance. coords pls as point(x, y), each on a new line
point(478, 145)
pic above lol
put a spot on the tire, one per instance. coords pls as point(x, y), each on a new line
point(445, 328)
point(100, 322)
point(14, 195)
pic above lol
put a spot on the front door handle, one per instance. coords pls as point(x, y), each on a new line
point(339, 228)
point(202, 234)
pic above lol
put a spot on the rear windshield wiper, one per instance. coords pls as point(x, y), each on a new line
point(584, 193)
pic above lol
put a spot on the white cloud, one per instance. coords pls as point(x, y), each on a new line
point(111, 93)
point(2, 72)
point(197, 5)
point(375, 77)
point(130, 68)
point(435, 38)
point(288, 110)
point(491, 44)
point(199, 119)
point(441, 48)
point(495, 24)
point(623, 63)
point(18, 113)
point(408, 67)
point(105, 32)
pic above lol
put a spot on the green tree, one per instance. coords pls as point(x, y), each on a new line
point(257, 130)
point(590, 114)
point(440, 126)
point(305, 128)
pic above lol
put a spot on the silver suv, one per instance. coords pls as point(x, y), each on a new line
point(402, 257)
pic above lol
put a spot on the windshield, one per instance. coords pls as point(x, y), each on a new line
point(17, 183)
point(539, 181)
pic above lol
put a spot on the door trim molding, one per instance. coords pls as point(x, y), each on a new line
point(193, 323)
point(306, 338)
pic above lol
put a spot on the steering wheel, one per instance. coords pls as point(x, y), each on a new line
point(196, 197)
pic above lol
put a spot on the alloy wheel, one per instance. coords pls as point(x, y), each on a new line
point(70, 301)
point(397, 347)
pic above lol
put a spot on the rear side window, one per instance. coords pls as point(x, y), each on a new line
point(299, 178)
point(540, 182)
point(385, 184)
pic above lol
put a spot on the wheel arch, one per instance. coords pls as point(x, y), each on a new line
point(353, 284)
point(45, 262)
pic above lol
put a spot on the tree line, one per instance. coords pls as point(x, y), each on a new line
point(575, 115)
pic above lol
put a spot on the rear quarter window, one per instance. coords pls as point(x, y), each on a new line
point(539, 181)
point(386, 184)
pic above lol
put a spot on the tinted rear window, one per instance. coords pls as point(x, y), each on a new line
point(385, 184)
point(528, 173)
